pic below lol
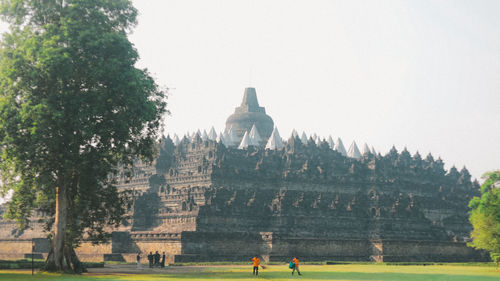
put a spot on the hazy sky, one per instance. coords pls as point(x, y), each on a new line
point(420, 74)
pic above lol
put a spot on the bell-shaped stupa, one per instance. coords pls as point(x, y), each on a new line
point(248, 114)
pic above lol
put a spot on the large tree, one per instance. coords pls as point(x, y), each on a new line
point(485, 216)
point(73, 107)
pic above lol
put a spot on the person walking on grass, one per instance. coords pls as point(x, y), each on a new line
point(256, 263)
point(295, 260)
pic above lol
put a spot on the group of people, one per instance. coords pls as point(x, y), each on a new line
point(294, 265)
point(155, 260)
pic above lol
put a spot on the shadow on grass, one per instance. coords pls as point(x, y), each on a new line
point(334, 276)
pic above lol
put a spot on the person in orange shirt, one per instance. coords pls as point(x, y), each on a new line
point(295, 260)
point(256, 263)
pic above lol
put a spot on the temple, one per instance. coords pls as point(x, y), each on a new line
point(246, 191)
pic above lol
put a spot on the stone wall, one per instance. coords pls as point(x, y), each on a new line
point(120, 248)
point(224, 246)
point(320, 249)
point(443, 251)
point(210, 246)
point(94, 253)
point(14, 248)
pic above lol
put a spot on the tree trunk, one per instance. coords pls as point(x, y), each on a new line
point(55, 262)
point(62, 257)
point(76, 265)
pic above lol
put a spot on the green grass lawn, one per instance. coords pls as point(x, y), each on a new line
point(279, 272)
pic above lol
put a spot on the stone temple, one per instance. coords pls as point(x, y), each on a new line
point(246, 191)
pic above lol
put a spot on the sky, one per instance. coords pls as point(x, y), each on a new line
point(418, 74)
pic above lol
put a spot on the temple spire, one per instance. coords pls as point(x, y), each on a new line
point(331, 143)
point(250, 99)
point(255, 138)
point(354, 151)
point(339, 147)
point(204, 135)
point(366, 149)
point(176, 140)
point(212, 135)
point(303, 138)
point(274, 141)
point(245, 142)
point(220, 139)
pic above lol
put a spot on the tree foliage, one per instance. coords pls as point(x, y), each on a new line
point(73, 107)
point(485, 216)
point(166, 156)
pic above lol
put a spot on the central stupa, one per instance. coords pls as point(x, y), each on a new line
point(248, 114)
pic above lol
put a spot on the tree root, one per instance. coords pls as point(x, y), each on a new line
point(70, 263)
